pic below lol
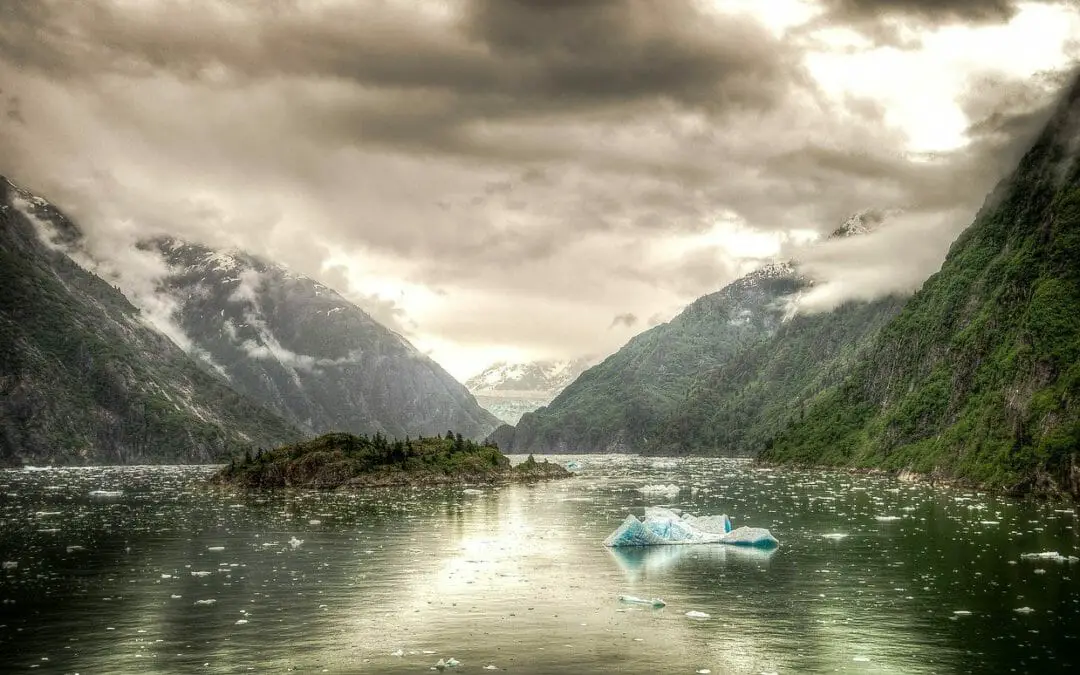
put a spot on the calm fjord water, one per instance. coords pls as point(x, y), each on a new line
point(871, 576)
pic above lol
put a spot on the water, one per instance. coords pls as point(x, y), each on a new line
point(515, 577)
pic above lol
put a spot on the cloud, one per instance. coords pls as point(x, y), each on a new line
point(628, 319)
point(896, 257)
point(504, 175)
point(896, 23)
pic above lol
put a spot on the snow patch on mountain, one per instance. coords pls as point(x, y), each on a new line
point(540, 377)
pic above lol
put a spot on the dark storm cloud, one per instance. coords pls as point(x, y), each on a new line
point(882, 20)
point(493, 59)
point(931, 10)
point(628, 319)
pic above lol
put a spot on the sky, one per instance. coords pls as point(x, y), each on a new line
point(530, 179)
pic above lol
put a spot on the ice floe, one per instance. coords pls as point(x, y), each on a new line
point(662, 526)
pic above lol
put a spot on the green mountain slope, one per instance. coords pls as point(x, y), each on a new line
point(979, 376)
point(616, 405)
point(737, 408)
point(84, 380)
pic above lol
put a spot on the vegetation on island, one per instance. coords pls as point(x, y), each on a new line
point(346, 460)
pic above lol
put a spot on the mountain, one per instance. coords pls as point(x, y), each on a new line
point(509, 390)
point(307, 353)
point(615, 405)
point(651, 395)
point(978, 377)
point(84, 379)
point(535, 377)
point(742, 404)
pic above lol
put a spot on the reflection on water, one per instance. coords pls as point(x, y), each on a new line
point(638, 562)
point(146, 570)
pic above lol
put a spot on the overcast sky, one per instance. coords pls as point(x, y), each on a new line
point(518, 179)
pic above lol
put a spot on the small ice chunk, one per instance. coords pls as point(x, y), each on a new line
point(215, 548)
point(694, 614)
point(400, 652)
point(11, 565)
point(174, 596)
point(200, 574)
point(634, 600)
point(472, 491)
point(1048, 555)
point(452, 662)
point(572, 466)
point(1023, 610)
point(440, 665)
point(205, 603)
point(491, 667)
point(106, 494)
point(962, 612)
point(887, 519)
point(314, 521)
point(241, 622)
point(670, 491)
point(834, 536)
point(295, 543)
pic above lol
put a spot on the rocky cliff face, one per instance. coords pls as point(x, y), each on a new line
point(84, 379)
point(979, 375)
point(307, 353)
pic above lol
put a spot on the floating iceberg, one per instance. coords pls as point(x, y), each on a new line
point(662, 526)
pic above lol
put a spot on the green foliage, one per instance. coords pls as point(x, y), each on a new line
point(338, 459)
point(625, 402)
point(739, 407)
point(977, 377)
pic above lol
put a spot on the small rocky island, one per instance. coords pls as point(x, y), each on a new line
point(343, 460)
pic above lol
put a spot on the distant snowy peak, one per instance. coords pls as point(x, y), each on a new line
point(546, 377)
point(772, 270)
point(863, 222)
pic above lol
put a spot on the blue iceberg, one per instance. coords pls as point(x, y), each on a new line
point(663, 527)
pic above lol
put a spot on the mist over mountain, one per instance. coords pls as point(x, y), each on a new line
point(306, 352)
point(85, 378)
point(614, 406)
point(628, 402)
point(979, 375)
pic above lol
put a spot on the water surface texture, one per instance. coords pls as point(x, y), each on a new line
point(145, 569)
